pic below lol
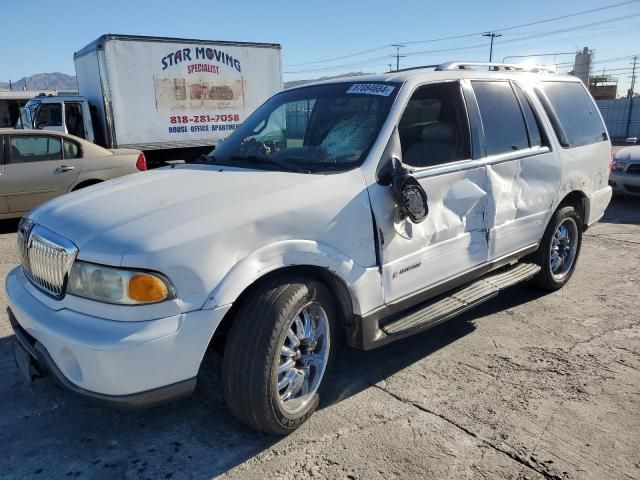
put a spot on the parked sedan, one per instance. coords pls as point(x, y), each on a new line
point(36, 166)
point(625, 171)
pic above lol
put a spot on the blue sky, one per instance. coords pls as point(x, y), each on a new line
point(41, 36)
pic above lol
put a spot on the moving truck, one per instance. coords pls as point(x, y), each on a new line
point(172, 98)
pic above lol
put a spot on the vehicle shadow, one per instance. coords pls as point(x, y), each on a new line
point(623, 210)
point(9, 226)
point(49, 430)
point(355, 371)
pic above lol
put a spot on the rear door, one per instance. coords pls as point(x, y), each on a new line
point(523, 173)
point(39, 167)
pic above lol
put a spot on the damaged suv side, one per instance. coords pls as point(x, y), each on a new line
point(369, 208)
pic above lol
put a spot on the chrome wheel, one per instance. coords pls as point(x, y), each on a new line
point(303, 358)
point(563, 249)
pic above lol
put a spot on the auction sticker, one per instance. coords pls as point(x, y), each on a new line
point(371, 89)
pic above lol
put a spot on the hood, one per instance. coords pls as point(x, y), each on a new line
point(124, 211)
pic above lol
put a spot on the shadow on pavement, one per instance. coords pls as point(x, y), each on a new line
point(623, 210)
point(9, 226)
point(45, 429)
point(355, 370)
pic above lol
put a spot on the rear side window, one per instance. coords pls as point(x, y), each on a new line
point(502, 120)
point(71, 149)
point(577, 118)
point(35, 148)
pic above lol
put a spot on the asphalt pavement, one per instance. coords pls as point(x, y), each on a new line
point(529, 385)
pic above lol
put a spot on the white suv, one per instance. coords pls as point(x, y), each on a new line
point(369, 208)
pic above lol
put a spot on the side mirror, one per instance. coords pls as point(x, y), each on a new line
point(408, 193)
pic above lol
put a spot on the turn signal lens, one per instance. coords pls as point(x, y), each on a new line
point(147, 288)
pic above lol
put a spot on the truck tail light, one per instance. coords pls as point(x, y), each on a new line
point(141, 163)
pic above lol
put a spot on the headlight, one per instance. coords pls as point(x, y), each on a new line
point(117, 285)
point(617, 165)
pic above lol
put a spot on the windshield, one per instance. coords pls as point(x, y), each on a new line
point(314, 129)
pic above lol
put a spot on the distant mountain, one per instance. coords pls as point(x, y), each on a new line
point(43, 81)
point(297, 83)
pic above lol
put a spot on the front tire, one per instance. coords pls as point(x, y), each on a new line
point(559, 250)
point(277, 354)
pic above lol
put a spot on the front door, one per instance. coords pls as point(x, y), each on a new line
point(435, 142)
point(49, 117)
point(36, 169)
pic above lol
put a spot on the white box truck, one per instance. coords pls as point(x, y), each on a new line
point(172, 98)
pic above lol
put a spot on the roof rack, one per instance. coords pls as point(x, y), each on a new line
point(509, 67)
point(419, 67)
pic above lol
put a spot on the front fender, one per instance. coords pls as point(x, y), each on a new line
point(364, 283)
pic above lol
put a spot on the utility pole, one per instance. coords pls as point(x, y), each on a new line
point(633, 85)
point(10, 85)
point(397, 55)
point(493, 36)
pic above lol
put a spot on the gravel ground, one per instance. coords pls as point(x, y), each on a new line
point(526, 386)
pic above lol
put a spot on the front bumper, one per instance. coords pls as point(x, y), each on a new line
point(127, 363)
point(625, 183)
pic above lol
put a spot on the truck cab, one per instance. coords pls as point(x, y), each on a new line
point(59, 113)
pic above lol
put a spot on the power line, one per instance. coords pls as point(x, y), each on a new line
point(467, 35)
point(376, 60)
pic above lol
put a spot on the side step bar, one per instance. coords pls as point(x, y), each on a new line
point(461, 300)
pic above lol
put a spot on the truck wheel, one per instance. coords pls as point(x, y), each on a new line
point(558, 253)
point(277, 353)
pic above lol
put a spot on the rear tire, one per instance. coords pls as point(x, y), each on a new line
point(559, 250)
point(277, 354)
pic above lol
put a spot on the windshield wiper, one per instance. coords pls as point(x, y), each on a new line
point(255, 160)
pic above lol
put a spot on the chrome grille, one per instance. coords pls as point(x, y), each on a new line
point(46, 257)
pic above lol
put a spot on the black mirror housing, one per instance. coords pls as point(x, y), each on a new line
point(411, 198)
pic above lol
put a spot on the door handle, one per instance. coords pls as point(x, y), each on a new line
point(63, 169)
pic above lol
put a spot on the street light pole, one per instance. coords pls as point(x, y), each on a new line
point(493, 35)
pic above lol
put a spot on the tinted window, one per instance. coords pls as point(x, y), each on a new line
point(49, 115)
point(576, 112)
point(73, 119)
point(71, 149)
point(533, 127)
point(433, 128)
point(35, 148)
point(504, 127)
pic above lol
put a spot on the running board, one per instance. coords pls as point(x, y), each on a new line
point(460, 300)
